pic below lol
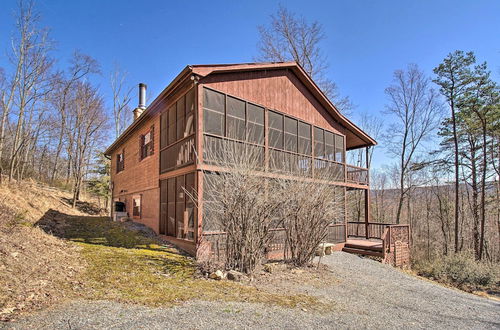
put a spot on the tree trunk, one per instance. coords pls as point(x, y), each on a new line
point(457, 171)
point(483, 189)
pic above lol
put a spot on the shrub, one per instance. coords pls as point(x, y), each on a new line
point(237, 203)
point(307, 209)
point(460, 270)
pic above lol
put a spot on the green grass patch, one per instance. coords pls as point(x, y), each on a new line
point(123, 265)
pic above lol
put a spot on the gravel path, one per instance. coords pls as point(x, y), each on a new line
point(368, 295)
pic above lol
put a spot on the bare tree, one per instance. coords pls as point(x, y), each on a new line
point(417, 111)
point(89, 120)
point(34, 81)
point(81, 66)
point(27, 55)
point(292, 38)
point(121, 99)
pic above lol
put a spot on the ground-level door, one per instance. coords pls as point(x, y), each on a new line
point(177, 209)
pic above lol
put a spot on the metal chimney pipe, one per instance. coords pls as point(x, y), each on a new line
point(142, 96)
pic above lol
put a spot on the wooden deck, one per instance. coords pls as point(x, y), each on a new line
point(372, 247)
point(367, 243)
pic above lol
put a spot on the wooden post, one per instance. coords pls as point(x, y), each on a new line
point(367, 195)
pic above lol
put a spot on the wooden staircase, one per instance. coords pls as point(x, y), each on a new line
point(364, 247)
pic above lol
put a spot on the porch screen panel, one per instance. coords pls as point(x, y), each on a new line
point(172, 125)
point(291, 134)
point(180, 116)
point(180, 206)
point(177, 155)
point(235, 121)
point(304, 141)
point(340, 197)
point(190, 206)
point(190, 108)
point(329, 146)
point(164, 130)
point(276, 160)
point(339, 148)
point(255, 124)
point(163, 206)
point(319, 143)
point(213, 112)
point(209, 221)
point(171, 207)
point(275, 130)
point(294, 147)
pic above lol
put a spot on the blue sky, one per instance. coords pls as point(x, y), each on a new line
point(366, 40)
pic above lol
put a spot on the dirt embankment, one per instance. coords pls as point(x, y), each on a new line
point(36, 268)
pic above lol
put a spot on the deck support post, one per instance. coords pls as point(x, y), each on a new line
point(367, 193)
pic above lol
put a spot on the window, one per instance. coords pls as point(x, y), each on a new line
point(147, 143)
point(136, 210)
point(120, 161)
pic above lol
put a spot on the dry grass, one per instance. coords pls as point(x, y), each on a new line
point(34, 267)
point(31, 200)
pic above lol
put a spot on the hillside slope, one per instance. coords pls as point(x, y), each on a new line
point(35, 267)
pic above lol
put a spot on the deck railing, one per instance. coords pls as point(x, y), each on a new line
point(214, 242)
point(356, 174)
point(358, 229)
point(395, 239)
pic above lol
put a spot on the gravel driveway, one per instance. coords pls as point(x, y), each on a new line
point(367, 295)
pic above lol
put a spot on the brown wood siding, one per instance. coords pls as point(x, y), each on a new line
point(139, 176)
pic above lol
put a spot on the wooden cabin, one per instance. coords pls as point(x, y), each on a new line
point(160, 155)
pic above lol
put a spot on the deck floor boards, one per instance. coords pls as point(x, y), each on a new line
point(364, 243)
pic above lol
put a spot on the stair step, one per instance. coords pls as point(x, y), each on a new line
point(363, 252)
point(363, 247)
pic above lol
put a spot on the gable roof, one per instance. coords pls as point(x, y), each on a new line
point(355, 137)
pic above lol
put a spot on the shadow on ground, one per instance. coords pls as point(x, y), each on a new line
point(100, 230)
point(84, 207)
